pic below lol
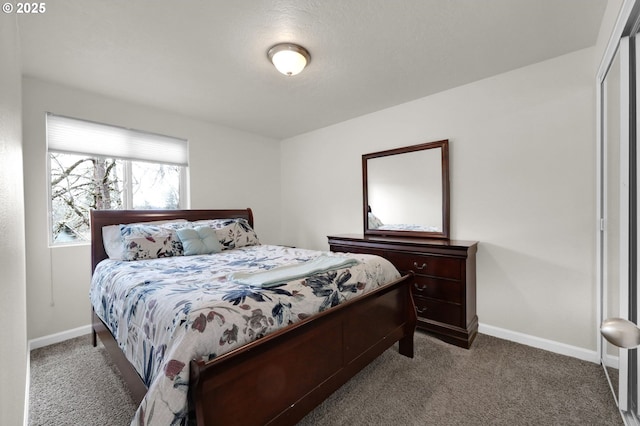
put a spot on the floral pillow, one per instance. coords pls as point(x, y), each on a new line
point(142, 241)
point(245, 235)
point(112, 235)
point(232, 233)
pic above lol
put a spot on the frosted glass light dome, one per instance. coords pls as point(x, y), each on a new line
point(290, 59)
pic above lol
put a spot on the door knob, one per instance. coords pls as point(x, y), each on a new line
point(621, 332)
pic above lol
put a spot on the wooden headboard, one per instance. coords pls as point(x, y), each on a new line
point(100, 218)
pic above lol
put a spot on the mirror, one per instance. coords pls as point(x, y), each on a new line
point(406, 191)
point(612, 116)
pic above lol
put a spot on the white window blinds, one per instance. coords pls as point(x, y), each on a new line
point(75, 136)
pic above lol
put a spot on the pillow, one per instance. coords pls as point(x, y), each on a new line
point(112, 236)
point(232, 233)
point(213, 223)
point(374, 221)
point(199, 240)
point(142, 241)
point(245, 235)
point(112, 240)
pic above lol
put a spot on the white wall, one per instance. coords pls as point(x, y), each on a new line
point(13, 341)
point(228, 169)
point(522, 156)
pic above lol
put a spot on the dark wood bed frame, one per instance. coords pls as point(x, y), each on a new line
point(284, 375)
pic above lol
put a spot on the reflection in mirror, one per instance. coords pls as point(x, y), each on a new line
point(406, 191)
point(394, 183)
point(611, 200)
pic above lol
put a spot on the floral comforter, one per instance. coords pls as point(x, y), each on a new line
point(165, 312)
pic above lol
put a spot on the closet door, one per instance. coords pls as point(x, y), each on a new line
point(634, 213)
point(610, 219)
point(618, 108)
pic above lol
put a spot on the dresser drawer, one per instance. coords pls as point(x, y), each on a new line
point(356, 249)
point(446, 290)
point(426, 265)
point(448, 313)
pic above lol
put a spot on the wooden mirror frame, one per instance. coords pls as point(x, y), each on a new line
point(444, 234)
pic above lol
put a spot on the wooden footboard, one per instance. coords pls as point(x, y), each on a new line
point(282, 377)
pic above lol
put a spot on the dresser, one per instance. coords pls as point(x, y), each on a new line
point(444, 288)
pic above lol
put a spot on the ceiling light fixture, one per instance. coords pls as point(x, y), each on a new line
point(289, 58)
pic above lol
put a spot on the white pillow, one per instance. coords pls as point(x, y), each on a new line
point(113, 244)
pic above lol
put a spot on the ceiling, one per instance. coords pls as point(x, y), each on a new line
point(208, 59)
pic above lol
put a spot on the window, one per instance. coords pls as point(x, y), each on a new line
point(97, 166)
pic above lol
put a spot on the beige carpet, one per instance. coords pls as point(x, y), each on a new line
point(496, 382)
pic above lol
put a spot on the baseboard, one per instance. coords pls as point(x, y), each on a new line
point(537, 342)
point(514, 336)
point(51, 339)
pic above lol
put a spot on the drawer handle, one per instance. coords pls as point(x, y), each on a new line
point(417, 287)
point(421, 267)
point(421, 310)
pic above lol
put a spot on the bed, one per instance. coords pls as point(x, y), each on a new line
point(282, 371)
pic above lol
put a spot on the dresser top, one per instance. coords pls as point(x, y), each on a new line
point(404, 240)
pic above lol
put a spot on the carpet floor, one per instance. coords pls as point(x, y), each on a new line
point(496, 382)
